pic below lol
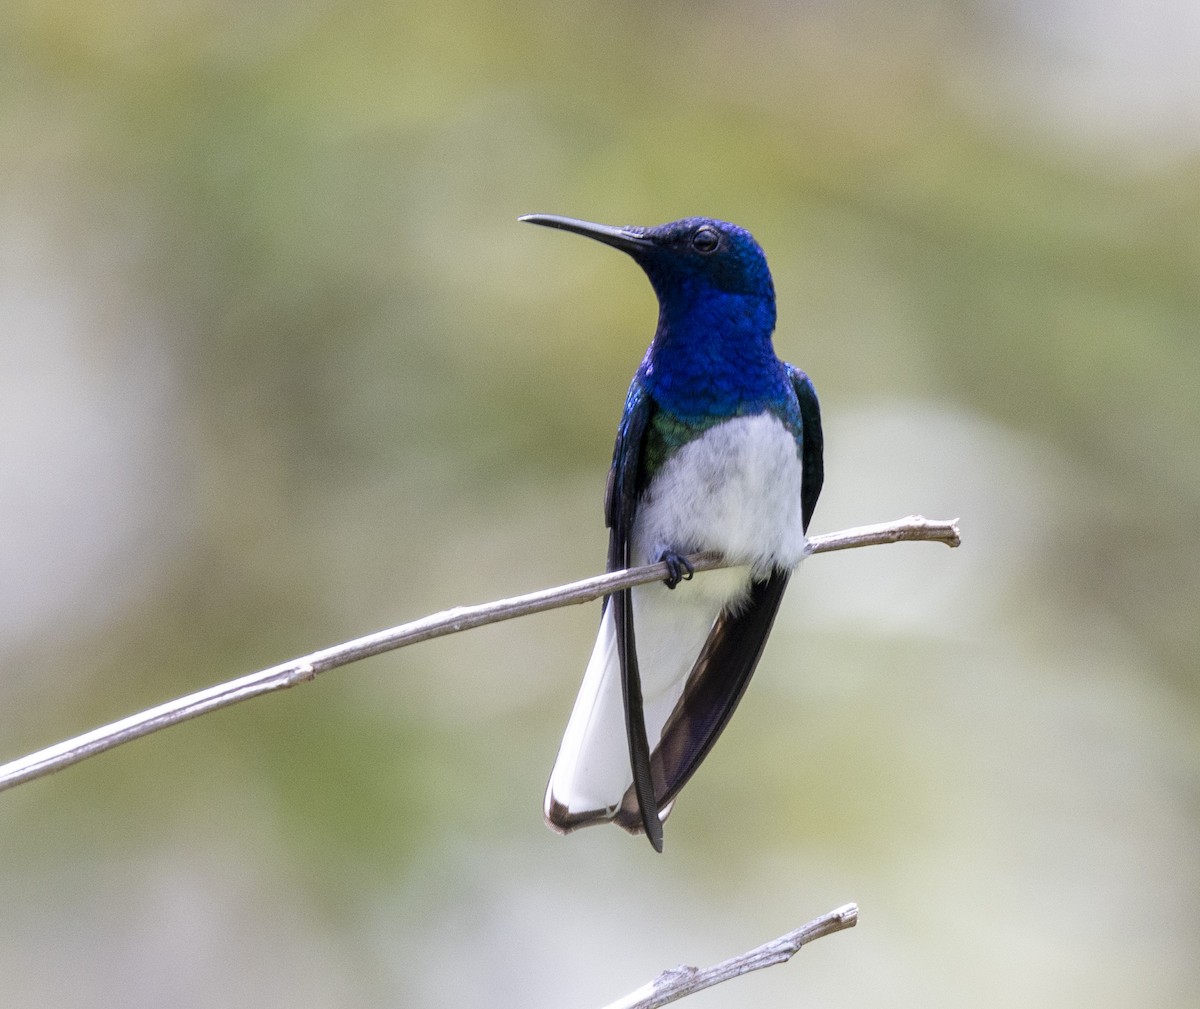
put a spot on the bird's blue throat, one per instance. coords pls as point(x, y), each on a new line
point(712, 358)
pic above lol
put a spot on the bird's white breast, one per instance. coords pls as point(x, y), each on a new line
point(735, 489)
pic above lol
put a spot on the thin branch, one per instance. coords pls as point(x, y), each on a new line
point(462, 618)
point(682, 981)
point(915, 527)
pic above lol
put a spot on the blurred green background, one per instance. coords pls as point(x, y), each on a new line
point(280, 367)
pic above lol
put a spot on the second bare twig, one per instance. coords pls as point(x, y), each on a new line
point(683, 981)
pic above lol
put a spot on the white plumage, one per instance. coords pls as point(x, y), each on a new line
point(735, 489)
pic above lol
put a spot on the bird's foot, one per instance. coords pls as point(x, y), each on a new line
point(679, 568)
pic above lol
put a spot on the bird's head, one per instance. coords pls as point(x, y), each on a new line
point(685, 258)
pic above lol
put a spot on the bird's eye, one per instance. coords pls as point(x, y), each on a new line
point(705, 240)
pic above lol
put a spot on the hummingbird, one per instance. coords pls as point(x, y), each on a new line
point(719, 448)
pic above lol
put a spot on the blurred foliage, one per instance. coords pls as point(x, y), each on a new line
point(280, 368)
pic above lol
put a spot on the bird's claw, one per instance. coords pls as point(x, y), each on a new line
point(679, 569)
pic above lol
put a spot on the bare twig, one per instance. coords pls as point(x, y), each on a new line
point(680, 982)
point(915, 527)
point(462, 618)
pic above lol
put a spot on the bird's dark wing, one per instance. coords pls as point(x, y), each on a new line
point(734, 646)
point(625, 483)
point(812, 442)
point(714, 688)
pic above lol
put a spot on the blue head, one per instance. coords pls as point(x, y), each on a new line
point(693, 257)
point(712, 349)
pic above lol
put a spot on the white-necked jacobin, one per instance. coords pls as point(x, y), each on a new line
point(719, 449)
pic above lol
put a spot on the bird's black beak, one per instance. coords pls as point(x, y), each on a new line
point(628, 239)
